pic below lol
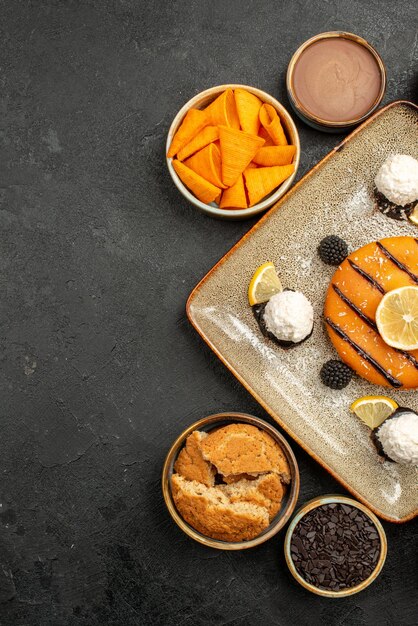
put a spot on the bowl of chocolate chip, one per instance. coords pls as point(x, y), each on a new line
point(335, 546)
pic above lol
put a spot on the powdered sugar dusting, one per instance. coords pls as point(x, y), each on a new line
point(359, 205)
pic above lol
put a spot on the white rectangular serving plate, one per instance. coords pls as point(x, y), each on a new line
point(335, 197)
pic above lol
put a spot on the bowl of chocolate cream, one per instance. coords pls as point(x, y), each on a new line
point(335, 80)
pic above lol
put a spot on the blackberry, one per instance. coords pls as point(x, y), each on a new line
point(332, 250)
point(335, 374)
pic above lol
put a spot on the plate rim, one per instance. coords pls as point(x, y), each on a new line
point(229, 365)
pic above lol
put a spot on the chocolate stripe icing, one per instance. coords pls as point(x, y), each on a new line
point(355, 308)
point(365, 355)
point(366, 276)
point(410, 358)
point(396, 262)
point(370, 322)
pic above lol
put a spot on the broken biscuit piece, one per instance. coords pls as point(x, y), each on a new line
point(242, 448)
point(210, 512)
point(266, 490)
point(191, 464)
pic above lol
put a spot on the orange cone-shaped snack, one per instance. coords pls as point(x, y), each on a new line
point(223, 110)
point(264, 134)
point(248, 107)
point(263, 180)
point(193, 122)
point(207, 163)
point(201, 188)
point(269, 118)
point(275, 155)
point(237, 150)
point(234, 197)
point(202, 139)
point(252, 164)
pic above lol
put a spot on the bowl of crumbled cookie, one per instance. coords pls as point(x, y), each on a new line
point(230, 481)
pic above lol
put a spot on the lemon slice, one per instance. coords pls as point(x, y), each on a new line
point(373, 410)
point(264, 284)
point(397, 318)
point(413, 217)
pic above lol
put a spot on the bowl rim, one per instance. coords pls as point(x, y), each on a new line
point(282, 517)
point(337, 499)
point(305, 113)
point(260, 206)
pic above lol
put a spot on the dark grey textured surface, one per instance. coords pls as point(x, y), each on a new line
point(100, 369)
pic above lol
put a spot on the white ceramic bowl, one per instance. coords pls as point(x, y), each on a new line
point(200, 101)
